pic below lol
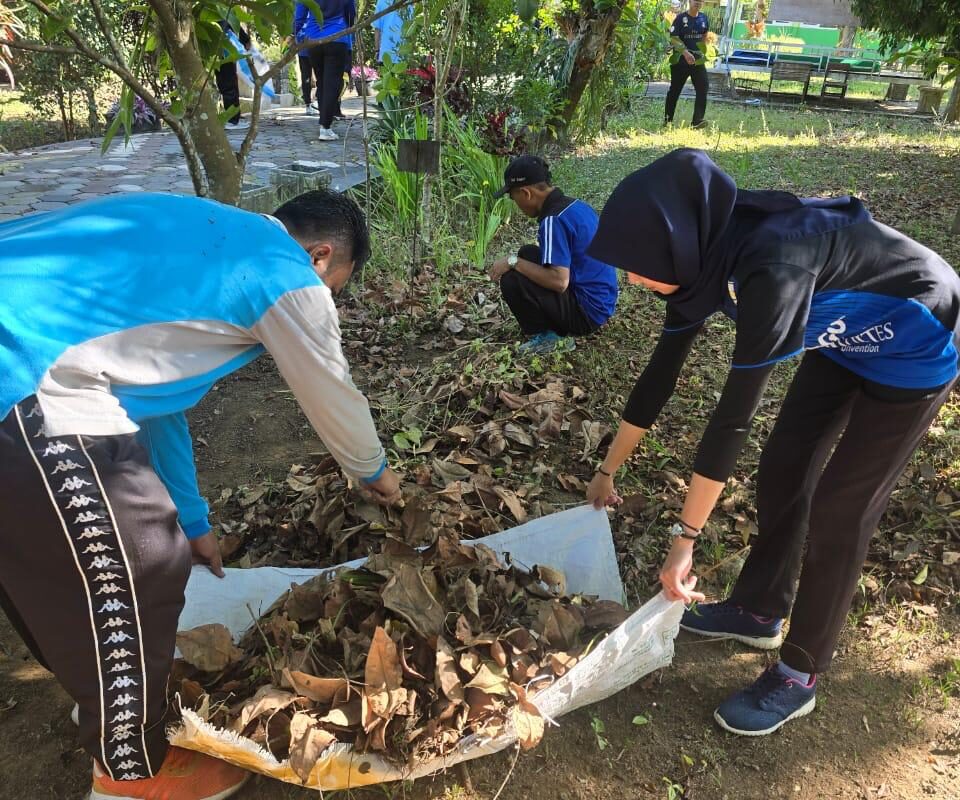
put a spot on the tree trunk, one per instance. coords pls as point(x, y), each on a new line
point(586, 51)
point(952, 111)
point(61, 104)
point(847, 34)
point(222, 171)
point(93, 119)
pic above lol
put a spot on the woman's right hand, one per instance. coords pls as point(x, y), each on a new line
point(601, 492)
point(678, 583)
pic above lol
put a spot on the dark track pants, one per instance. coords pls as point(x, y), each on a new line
point(832, 505)
point(679, 73)
point(228, 84)
point(328, 60)
point(539, 310)
point(306, 77)
point(93, 565)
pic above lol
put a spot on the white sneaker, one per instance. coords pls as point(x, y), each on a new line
point(327, 135)
point(311, 110)
point(242, 125)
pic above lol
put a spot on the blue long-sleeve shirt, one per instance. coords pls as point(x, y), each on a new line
point(121, 313)
point(338, 15)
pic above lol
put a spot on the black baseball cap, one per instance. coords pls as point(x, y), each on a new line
point(524, 171)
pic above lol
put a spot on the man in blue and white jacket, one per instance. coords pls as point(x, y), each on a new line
point(116, 316)
point(554, 288)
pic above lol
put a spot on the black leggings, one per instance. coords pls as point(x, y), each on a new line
point(831, 503)
point(679, 73)
point(538, 309)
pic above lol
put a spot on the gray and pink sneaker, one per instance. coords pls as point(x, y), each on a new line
point(725, 620)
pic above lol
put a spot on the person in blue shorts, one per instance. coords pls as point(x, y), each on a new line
point(876, 318)
point(554, 288)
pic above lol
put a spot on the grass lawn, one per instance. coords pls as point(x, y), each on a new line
point(22, 127)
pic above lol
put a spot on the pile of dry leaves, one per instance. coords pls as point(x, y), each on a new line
point(404, 657)
point(464, 478)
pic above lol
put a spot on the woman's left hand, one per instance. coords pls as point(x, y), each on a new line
point(678, 583)
point(601, 492)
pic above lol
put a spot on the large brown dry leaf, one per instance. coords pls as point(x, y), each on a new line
point(447, 677)
point(517, 434)
point(527, 722)
point(604, 614)
point(480, 704)
point(305, 601)
point(553, 578)
point(383, 663)
point(347, 715)
point(321, 690)
point(449, 472)
point(382, 695)
point(512, 502)
point(407, 594)
point(307, 743)
point(593, 434)
point(209, 648)
point(492, 679)
point(415, 521)
point(267, 700)
point(560, 625)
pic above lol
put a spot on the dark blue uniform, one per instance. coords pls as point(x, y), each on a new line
point(691, 30)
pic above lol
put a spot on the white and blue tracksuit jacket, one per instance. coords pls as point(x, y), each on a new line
point(121, 313)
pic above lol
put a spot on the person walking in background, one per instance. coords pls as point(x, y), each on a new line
point(228, 84)
point(686, 34)
point(306, 71)
point(347, 61)
point(327, 58)
point(387, 32)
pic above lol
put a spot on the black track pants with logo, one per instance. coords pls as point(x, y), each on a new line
point(93, 565)
point(825, 476)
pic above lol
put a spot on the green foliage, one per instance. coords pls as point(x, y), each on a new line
point(59, 86)
point(635, 54)
point(921, 20)
point(478, 175)
point(401, 189)
point(599, 729)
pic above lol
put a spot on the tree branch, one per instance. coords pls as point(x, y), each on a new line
point(107, 32)
point(40, 47)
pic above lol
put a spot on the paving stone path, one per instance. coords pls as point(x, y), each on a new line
point(57, 175)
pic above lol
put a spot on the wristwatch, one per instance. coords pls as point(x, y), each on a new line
point(512, 262)
point(679, 531)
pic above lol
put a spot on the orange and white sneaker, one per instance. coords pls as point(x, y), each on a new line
point(185, 775)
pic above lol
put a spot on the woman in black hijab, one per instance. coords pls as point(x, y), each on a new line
point(877, 318)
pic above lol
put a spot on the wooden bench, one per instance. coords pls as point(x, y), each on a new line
point(790, 71)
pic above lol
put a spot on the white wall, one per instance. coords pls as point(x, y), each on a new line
point(829, 13)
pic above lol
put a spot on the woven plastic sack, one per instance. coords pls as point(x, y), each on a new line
point(577, 542)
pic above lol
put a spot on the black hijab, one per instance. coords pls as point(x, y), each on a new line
point(682, 220)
